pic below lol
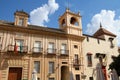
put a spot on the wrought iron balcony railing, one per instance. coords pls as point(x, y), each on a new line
point(37, 50)
point(76, 62)
point(17, 49)
point(51, 51)
point(64, 52)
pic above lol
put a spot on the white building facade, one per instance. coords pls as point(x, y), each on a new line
point(98, 51)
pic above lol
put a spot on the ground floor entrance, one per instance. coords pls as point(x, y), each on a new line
point(15, 73)
point(65, 73)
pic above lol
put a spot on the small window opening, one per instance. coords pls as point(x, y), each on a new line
point(63, 22)
point(75, 46)
point(73, 21)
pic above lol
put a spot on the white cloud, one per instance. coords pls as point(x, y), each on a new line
point(40, 15)
point(107, 18)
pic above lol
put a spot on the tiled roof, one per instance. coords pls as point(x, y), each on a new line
point(103, 31)
point(45, 29)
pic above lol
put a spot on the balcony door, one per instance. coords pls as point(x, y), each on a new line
point(63, 49)
point(37, 46)
point(20, 45)
point(51, 48)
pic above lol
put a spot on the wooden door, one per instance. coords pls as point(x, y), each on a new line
point(15, 74)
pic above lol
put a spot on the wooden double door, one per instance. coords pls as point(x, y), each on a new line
point(15, 73)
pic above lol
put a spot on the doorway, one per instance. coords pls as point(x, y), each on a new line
point(15, 73)
point(65, 73)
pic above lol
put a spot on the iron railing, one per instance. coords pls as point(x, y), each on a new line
point(37, 50)
point(17, 49)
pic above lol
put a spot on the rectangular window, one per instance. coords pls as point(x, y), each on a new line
point(51, 48)
point(89, 59)
point(77, 68)
point(76, 59)
point(37, 46)
point(98, 41)
point(87, 39)
point(51, 67)
point(77, 77)
point(21, 21)
point(90, 78)
point(51, 79)
point(63, 49)
point(37, 66)
point(19, 45)
point(76, 46)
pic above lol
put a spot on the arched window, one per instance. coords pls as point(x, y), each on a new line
point(74, 21)
point(63, 22)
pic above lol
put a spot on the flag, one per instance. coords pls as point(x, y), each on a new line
point(15, 47)
point(21, 48)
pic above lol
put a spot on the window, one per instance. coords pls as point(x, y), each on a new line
point(38, 78)
point(90, 78)
point(74, 21)
point(75, 46)
point(98, 41)
point(63, 49)
point(51, 48)
point(76, 59)
point(19, 45)
point(21, 21)
point(77, 77)
point(51, 79)
point(111, 42)
point(51, 67)
point(37, 46)
point(89, 59)
point(77, 68)
point(87, 39)
point(63, 22)
point(37, 66)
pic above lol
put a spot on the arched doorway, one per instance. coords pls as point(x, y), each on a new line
point(65, 73)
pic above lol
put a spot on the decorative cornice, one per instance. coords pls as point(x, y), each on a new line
point(39, 31)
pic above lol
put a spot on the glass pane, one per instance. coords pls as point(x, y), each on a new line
point(37, 66)
point(63, 48)
point(51, 48)
point(37, 46)
point(51, 67)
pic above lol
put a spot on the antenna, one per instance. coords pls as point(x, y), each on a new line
point(100, 25)
point(68, 5)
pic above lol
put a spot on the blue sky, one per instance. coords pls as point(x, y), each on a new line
point(92, 11)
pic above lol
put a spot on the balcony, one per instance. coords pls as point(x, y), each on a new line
point(17, 49)
point(51, 51)
point(76, 63)
point(37, 50)
point(64, 52)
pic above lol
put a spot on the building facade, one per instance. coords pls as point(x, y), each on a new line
point(98, 51)
point(54, 54)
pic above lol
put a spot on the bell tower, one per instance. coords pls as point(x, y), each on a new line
point(71, 23)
